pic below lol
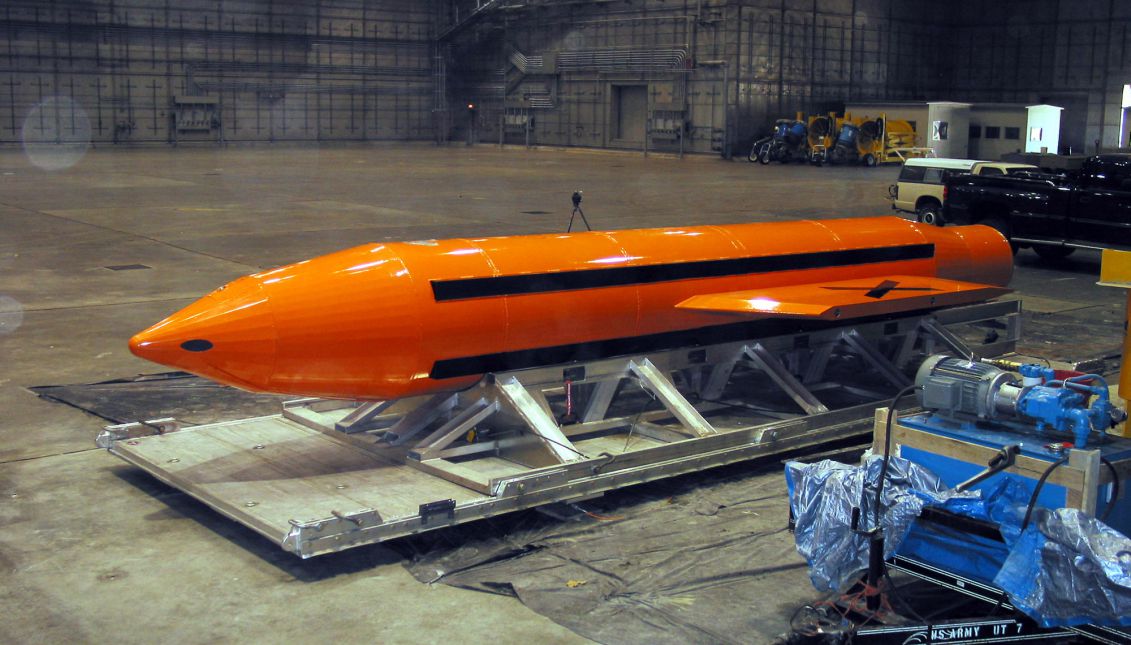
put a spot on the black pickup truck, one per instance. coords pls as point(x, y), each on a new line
point(1054, 214)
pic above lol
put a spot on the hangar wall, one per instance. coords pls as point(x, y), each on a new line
point(1075, 54)
point(127, 71)
point(724, 69)
point(703, 75)
point(729, 68)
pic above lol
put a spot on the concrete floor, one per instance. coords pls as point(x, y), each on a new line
point(91, 550)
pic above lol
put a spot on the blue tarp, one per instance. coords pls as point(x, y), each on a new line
point(1065, 569)
point(1070, 569)
point(822, 499)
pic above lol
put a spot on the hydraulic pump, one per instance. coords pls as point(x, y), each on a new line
point(967, 390)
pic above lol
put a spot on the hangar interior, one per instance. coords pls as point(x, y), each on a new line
point(592, 74)
point(152, 151)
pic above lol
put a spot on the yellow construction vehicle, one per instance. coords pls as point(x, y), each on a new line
point(822, 135)
point(849, 139)
point(886, 140)
point(829, 138)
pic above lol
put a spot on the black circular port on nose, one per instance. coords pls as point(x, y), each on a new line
point(196, 345)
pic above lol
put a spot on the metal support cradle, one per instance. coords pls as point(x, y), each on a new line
point(512, 442)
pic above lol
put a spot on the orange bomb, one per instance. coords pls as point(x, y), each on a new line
point(398, 319)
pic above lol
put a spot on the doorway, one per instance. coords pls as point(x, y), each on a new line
point(630, 111)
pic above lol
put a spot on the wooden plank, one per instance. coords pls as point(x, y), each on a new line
point(490, 467)
point(152, 458)
point(393, 490)
point(658, 433)
point(615, 444)
point(294, 476)
point(321, 464)
point(1069, 477)
point(1088, 462)
point(454, 472)
point(435, 443)
point(323, 423)
point(972, 453)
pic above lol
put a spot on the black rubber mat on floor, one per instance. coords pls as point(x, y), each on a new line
point(702, 558)
point(189, 398)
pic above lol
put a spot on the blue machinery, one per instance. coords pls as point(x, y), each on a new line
point(970, 392)
point(983, 425)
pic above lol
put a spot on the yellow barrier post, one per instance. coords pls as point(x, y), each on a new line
point(1115, 271)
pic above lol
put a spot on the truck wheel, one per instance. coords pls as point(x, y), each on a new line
point(929, 214)
point(1001, 227)
point(870, 160)
point(1053, 253)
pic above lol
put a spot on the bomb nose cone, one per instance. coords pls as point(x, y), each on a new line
point(227, 336)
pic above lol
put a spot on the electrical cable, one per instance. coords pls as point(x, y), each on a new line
point(900, 600)
point(597, 516)
point(873, 581)
point(887, 450)
point(1037, 490)
point(631, 428)
point(563, 445)
point(1048, 471)
point(639, 414)
point(566, 446)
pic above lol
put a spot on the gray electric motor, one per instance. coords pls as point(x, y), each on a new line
point(958, 387)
